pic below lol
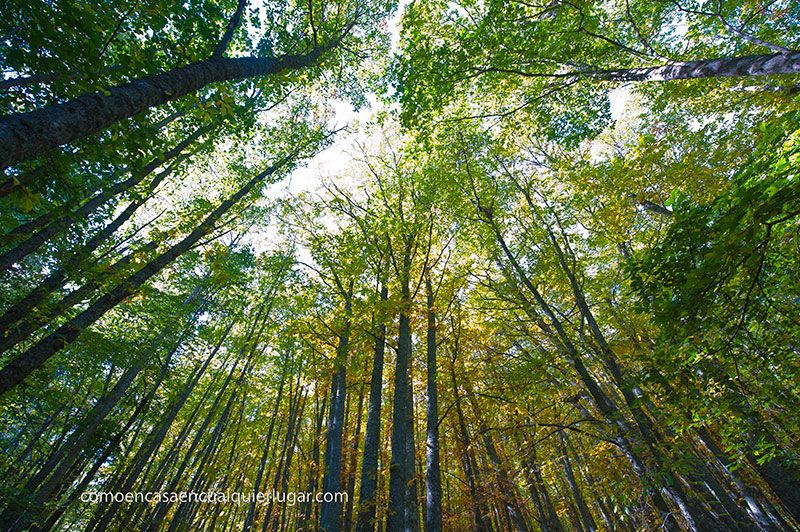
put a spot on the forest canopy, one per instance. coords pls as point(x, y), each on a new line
point(352, 265)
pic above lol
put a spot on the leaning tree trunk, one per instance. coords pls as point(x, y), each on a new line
point(625, 436)
point(103, 515)
point(22, 308)
point(25, 136)
point(482, 523)
point(22, 366)
point(722, 67)
point(587, 520)
point(251, 510)
point(87, 209)
point(48, 313)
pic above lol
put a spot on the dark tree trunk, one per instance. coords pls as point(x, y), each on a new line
point(29, 324)
point(313, 473)
point(624, 433)
point(104, 514)
point(433, 475)
point(508, 492)
point(401, 471)
point(351, 469)
point(25, 136)
point(587, 520)
point(56, 279)
point(22, 366)
point(372, 438)
point(59, 224)
point(331, 515)
point(51, 477)
point(482, 524)
point(190, 458)
point(248, 522)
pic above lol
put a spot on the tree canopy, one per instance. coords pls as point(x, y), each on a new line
point(348, 265)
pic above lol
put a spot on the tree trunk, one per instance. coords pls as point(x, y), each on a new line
point(313, 473)
point(248, 522)
point(56, 279)
point(482, 524)
point(624, 434)
point(751, 65)
point(587, 520)
point(372, 438)
point(104, 514)
point(433, 475)
point(22, 366)
point(401, 469)
point(331, 518)
point(25, 136)
point(61, 223)
point(351, 469)
point(29, 324)
point(508, 492)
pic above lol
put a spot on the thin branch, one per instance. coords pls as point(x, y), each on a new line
point(233, 23)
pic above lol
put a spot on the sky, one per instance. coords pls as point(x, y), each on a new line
point(335, 159)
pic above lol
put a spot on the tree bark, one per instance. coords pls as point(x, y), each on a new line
point(248, 522)
point(482, 524)
point(331, 513)
point(351, 469)
point(587, 520)
point(433, 475)
point(723, 67)
point(372, 438)
point(56, 279)
point(61, 223)
point(401, 470)
point(25, 136)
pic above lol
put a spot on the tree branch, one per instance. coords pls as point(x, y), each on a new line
point(233, 23)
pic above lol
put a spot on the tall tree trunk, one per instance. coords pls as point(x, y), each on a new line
point(482, 524)
point(548, 518)
point(625, 434)
point(372, 438)
point(313, 473)
point(401, 471)
point(566, 464)
point(29, 324)
point(50, 479)
point(104, 514)
point(56, 279)
point(331, 512)
point(22, 366)
point(351, 469)
point(751, 65)
point(91, 206)
point(25, 136)
point(248, 522)
point(191, 458)
point(691, 509)
point(433, 475)
point(508, 492)
point(290, 452)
